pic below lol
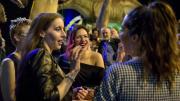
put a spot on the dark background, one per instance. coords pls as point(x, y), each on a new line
point(12, 12)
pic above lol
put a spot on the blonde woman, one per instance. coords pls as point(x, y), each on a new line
point(9, 66)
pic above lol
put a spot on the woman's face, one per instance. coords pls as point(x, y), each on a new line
point(81, 37)
point(23, 34)
point(19, 36)
point(55, 34)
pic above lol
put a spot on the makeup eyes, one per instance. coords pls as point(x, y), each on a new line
point(58, 29)
point(82, 36)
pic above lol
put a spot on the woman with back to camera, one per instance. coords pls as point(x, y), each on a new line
point(39, 76)
point(149, 36)
point(92, 65)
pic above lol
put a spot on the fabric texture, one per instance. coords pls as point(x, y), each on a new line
point(124, 82)
point(89, 75)
point(38, 78)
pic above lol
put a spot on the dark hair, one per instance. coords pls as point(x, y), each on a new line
point(96, 29)
point(39, 24)
point(72, 36)
point(156, 27)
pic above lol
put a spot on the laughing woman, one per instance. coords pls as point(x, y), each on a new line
point(92, 65)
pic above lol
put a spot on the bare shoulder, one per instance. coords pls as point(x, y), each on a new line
point(98, 60)
point(7, 62)
point(96, 55)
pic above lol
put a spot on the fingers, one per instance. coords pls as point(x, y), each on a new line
point(75, 90)
point(75, 57)
point(80, 93)
point(90, 94)
point(75, 53)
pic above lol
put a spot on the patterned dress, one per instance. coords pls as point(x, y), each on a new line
point(124, 82)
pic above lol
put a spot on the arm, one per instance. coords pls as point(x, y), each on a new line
point(47, 79)
point(65, 85)
point(107, 90)
point(8, 80)
point(53, 86)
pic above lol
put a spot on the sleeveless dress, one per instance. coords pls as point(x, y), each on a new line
point(14, 58)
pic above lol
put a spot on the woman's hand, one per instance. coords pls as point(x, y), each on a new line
point(81, 93)
point(77, 53)
point(75, 57)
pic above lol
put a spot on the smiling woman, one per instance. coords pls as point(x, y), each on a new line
point(92, 65)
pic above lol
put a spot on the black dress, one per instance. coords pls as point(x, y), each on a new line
point(89, 75)
point(38, 77)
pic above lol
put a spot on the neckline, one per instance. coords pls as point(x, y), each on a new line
point(135, 59)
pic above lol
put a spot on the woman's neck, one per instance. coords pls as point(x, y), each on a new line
point(17, 52)
point(46, 47)
point(85, 55)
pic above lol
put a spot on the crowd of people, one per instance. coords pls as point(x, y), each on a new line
point(139, 62)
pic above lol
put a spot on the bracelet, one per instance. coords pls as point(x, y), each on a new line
point(69, 77)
